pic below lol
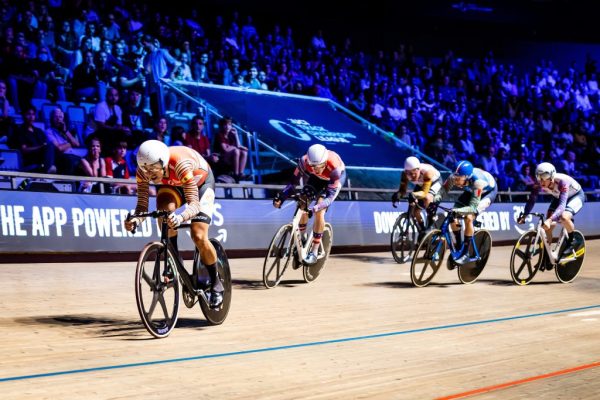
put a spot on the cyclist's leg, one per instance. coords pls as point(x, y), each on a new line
point(462, 201)
point(574, 204)
point(429, 204)
point(199, 232)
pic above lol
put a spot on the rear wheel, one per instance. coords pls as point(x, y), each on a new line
point(216, 316)
point(312, 272)
point(157, 290)
point(427, 258)
point(403, 239)
point(468, 273)
point(278, 257)
point(526, 258)
point(568, 269)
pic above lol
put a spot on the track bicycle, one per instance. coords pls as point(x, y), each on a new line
point(405, 233)
point(431, 250)
point(533, 253)
point(289, 245)
point(159, 275)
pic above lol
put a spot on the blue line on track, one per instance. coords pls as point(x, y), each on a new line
point(293, 346)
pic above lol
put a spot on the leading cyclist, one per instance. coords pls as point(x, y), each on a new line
point(568, 200)
point(326, 174)
point(181, 173)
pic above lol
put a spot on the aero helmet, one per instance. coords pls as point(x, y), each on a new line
point(151, 152)
point(316, 154)
point(411, 163)
point(545, 171)
point(464, 168)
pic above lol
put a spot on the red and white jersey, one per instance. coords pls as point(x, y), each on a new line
point(333, 167)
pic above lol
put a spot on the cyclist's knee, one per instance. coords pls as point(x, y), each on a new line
point(565, 216)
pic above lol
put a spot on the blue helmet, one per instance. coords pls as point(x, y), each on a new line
point(464, 168)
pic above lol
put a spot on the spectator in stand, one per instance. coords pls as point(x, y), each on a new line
point(34, 145)
point(6, 120)
point(116, 167)
point(197, 140)
point(231, 151)
point(92, 164)
point(86, 84)
point(157, 63)
point(64, 143)
point(160, 131)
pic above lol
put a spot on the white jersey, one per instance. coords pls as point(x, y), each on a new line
point(423, 169)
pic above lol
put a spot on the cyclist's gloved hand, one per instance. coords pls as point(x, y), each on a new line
point(174, 220)
point(131, 224)
point(278, 200)
point(411, 198)
point(521, 219)
point(395, 199)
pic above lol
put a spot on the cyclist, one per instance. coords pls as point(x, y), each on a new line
point(181, 173)
point(568, 200)
point(427, 181)
point(326, 174)
point(480, 191)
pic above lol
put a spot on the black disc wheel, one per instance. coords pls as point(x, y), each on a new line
point(216, 316)
point(568, 267)
point(469, 272)
point(312, 272)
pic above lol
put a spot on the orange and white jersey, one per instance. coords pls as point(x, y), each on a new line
point(187, 169)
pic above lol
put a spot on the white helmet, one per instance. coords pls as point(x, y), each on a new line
point(151, 152)
point(545, 171)
point(316, 155)
point(411, 163)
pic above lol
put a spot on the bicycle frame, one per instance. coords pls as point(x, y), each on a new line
point(553, 255)
point(181, 271)
point(456, 253)
point(297, 236)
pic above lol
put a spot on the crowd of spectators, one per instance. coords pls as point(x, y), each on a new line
point(113, 55)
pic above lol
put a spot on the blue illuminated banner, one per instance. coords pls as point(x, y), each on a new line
point(292, 123)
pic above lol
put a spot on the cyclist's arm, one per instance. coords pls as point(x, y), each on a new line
point(331, 191)
point(403, 184)
point(446, 187)
point(535, 191)
point(294, 181)
point(476, 193)
point(190, 191)
point(427, 182)
point(143, 189)
point(563, 188)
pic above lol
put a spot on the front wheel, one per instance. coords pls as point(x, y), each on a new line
point(526, 258)
point(157, 290)
point(312, 272)
point(427, 258)
point(567, 270)
point(216, 316)
point(468, 273)
point(278, 257)
point(403, 239)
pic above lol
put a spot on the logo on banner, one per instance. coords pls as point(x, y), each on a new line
point(303, 130)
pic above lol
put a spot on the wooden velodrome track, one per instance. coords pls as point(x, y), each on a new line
point(71, 331)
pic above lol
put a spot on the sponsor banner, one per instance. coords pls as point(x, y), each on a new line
point(65, 222)
point(292, 123)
